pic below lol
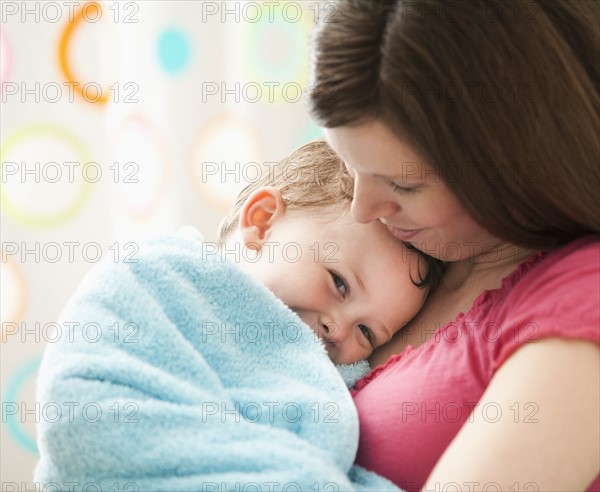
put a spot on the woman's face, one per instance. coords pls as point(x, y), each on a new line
point(395, 185)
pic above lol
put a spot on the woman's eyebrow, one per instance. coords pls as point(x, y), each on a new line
point(398, 177)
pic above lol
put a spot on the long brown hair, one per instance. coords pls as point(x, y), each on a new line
point(500, 97)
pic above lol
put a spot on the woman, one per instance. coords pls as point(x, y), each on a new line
point(471, 130)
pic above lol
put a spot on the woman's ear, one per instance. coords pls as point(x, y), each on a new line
point(260, 211)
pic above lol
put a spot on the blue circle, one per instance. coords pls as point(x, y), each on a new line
point(173, 50)
point(11, 396)
point(310, 133)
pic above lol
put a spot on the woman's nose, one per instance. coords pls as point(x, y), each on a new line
point(370, 203)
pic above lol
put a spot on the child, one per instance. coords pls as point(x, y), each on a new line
point(316, 261)
point(181, 388)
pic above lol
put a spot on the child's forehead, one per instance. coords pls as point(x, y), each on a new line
point(368, 243)
point(336, 225)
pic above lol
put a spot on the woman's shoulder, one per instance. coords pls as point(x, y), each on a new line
point(586, 247)
point(546, 281)
point(557, 296)
point(568, 273)
point(574, 266)
point(551, 295)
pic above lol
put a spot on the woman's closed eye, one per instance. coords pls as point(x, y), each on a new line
point(402, 189)
point(340, 284)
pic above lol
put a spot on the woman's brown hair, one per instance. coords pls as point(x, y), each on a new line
point(500, 97)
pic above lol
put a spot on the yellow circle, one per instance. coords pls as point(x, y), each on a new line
point(50, 220)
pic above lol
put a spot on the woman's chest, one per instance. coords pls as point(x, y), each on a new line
point(412, 409)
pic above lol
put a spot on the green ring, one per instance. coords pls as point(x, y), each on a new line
point(50, 220)
point(14, 386)
point(291, 71)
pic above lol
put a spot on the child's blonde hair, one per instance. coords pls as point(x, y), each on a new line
point(314, 179)
point(311, 178)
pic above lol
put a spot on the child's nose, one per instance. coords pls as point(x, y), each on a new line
point(334, 329)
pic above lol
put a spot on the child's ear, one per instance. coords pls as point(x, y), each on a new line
point(262, 208)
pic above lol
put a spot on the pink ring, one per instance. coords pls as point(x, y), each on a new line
point(143, 212)
point(7, 55)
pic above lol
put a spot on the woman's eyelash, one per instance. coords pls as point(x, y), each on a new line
point(402, 189)
point(339, 282)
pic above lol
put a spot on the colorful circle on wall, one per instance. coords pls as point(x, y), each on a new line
point(310, 133)
point(227, 154)
point(13, 291)
point(94, 57)
point(47, 175)
point(5, 59)
point(173, 50)
point(140, 166)
point(276, 50)
point(21, 389)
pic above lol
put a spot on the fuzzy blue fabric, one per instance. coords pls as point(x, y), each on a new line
point(182, 373)
point(351, 373)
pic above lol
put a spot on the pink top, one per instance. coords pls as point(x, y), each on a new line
point(411, 407)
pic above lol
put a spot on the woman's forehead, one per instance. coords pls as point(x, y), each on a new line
point(372, 148)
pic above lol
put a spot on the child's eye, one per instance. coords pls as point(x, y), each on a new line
point(340, 284)
point(402, 189)
point(368, 334)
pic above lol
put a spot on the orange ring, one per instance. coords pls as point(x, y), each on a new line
point(204, 191)
point(63, 52)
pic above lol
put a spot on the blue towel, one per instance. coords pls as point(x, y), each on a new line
point(182, 373)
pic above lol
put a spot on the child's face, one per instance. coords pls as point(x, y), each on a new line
point(350, 282)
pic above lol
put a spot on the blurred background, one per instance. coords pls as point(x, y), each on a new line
point(121, 120)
